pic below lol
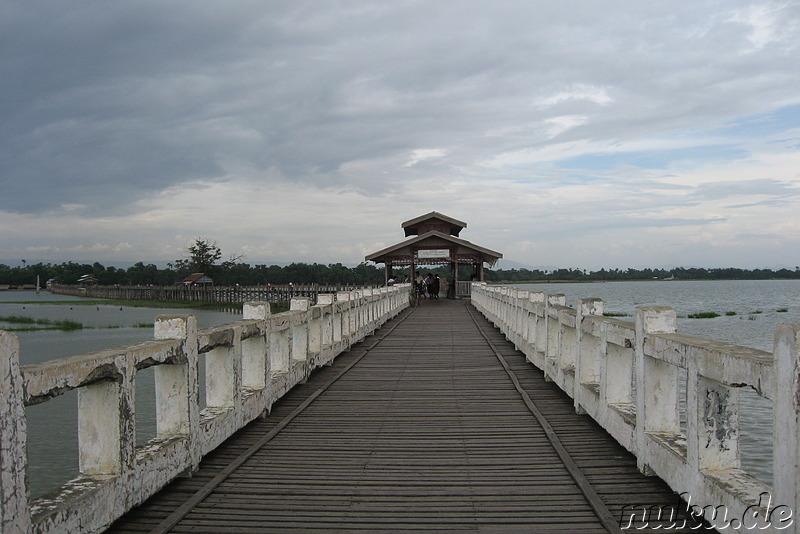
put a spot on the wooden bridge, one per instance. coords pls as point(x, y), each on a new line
point(433, 424)
point(385, 418)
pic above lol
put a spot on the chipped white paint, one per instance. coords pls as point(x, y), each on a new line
point(249, 365)
point(13, 498)
point(597, 360)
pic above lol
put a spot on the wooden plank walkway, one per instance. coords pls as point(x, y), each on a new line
point(426, 433)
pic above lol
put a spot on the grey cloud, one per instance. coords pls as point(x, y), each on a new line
point(108, 103)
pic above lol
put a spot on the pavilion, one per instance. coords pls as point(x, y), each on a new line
point(436, 242)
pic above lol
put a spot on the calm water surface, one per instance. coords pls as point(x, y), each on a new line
point(53, 446)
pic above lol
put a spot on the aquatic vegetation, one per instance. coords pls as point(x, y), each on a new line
point(729, 313)
point(703, 315)
point(21, 319)
point(615, 314)
point(39, 324)
point(782, 310)
point(67, 325)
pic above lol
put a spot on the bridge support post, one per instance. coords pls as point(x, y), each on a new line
point(786, 419)
point(656, 382)
point(13, 497)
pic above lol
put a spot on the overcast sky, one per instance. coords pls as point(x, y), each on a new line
point(564, 133)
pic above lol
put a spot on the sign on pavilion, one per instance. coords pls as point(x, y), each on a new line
point(436, 242)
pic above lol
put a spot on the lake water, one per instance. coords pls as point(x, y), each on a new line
point(53, 446)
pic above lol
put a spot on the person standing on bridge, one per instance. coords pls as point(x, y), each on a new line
point(437, 286)
point(429, 285)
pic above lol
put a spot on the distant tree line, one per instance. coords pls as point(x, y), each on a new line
point(141, 274)
point(203, 256)
point(679, 273)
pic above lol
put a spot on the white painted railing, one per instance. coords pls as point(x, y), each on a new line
point(249, 365)
point(627, 376)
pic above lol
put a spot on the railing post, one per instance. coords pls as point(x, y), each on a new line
point(14, 515)
point(177, 386)
point(786, 418)
point(656, 381)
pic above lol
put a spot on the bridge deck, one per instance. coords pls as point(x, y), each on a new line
point(425, 433)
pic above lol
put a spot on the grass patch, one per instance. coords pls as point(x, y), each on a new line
point(18, 319)
point(276, 307)
point(703, 315)
point(190, 304)
point(615, 314)
point(39, 324)
point(756, 312)
point(22, 319)
point(730, 313)
point(143, 325)
point(66, 325)
point(782, 310)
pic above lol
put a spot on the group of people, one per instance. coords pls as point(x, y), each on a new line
point(430, 286)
